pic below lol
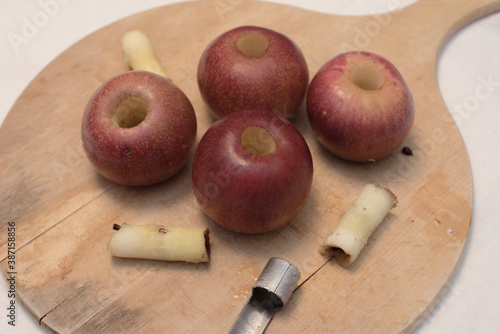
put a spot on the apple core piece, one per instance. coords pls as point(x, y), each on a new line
point(358, 223)
point(139, 53)
point(159, 242)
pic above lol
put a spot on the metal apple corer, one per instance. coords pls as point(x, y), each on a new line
point(271, 292)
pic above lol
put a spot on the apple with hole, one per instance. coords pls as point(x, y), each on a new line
point(359, 106)
point(252, 171)
point(138, 129)
point(252, 67)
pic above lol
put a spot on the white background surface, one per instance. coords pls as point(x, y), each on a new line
point(470, 58)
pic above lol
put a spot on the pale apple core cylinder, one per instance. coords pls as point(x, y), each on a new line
point(358, 223)
point(158, 242)
point(139, 53)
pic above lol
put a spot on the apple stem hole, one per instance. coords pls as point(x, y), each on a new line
point(130, 112)
point(367, 78)
point(258, 141)
point(252, 44)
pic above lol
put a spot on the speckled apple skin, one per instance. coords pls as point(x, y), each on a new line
point(248, 193)
point(229, 80)
point(150, 152)
point(353, 123)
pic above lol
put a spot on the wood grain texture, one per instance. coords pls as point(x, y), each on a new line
point(64, 210)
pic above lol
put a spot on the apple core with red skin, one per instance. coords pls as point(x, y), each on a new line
point(252, 171)
point(359, 106)
point(138, 129)
point(253, 67)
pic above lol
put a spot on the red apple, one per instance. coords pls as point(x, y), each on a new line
point(359, 106)
point(252, 68)
point(252, 171)
point(138, 129)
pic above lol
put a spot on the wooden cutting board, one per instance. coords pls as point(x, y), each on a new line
point(64, 211)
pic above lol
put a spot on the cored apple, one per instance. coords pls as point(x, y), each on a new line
point(138, 129)
point(253, 67)
point(359, 106)
point(252, 171)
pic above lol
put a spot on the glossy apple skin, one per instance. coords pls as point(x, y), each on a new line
point(248, 193)
point(150, 152)
point(230, 81)
point(353, 123)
